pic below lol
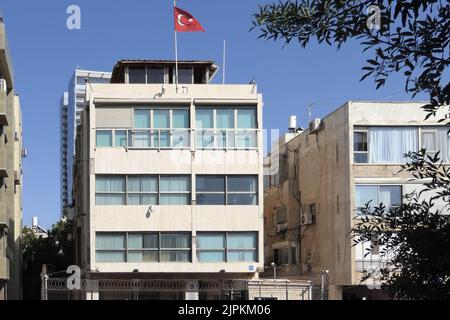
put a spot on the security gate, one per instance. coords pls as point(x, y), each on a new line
point(165, 289)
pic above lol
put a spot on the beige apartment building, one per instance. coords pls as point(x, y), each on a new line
point(321, 176)
point(169, 178)
point(10, 178)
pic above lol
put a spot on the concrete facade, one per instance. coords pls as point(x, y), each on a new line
point(317, 173)
point(71, 107)
point(10, 178)
point(110, 108)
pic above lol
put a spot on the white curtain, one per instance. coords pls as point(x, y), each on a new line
point(443, 140)
point(389, 145)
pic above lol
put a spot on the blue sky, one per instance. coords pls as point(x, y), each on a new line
point(45, 54)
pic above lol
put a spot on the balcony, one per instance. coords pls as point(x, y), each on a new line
point(226, 139)
point(160, 139)
point(4, 268)
point(3, 103)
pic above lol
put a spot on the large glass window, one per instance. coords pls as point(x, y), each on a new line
point(161, 128)
point(388, 195)
point(143, 190)
point(143, 247)
point(227, 247)
point(230, 190)
point(110, 190)
point(390, 144)
point(226, 127)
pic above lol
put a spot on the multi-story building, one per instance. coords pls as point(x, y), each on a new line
point(327, 173)
point(71, 106)
point(169, 177)
point(10, 178)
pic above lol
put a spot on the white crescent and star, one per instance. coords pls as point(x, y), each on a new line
point(180, 16)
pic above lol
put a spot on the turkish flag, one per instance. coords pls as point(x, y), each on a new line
point(185, 22)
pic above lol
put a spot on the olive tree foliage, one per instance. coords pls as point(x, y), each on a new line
point(407, 37)
point(414, 237)
point(410, 38)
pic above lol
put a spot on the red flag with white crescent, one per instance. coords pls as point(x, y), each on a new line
point(185, 22)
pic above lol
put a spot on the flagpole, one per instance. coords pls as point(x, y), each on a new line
point(176, 51)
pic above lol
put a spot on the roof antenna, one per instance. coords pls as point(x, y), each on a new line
point(224, 61)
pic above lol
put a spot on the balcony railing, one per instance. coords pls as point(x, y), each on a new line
point(243, 139)
point(209, 139)
point(159, 139)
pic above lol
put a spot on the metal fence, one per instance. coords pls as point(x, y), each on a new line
point(164, 289)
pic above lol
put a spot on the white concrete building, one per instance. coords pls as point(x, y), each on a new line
point(169, 180)
point(71, 106)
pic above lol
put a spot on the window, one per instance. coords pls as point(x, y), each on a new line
point(230, 190)
point(180, 123)
point(210, 190)
point(143, 190)
point(211, 247)
point(223, 128)
point(185, 75)
point(143, 247)
point(155, 75)
point(390, 144)
point(104, 138)
point(110, 190)
point(227, 247)
point(110, 247)
point(388, 195)
point(141, 119)
point(281, 256)
point(175, 247)
point(160, 128)
point(161, 121)
point(360, 146)
point(242, 190)
point(241, 247)
point(120, 138)
point(281, 215)
point(429, 141)
point(175, 190)
point(144, 75)
point(136, 75)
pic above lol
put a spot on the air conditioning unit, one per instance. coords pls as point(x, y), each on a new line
point(24, 153)
point(16, 136)
point(282, 227)
point(309, 215)
point(315, 126)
